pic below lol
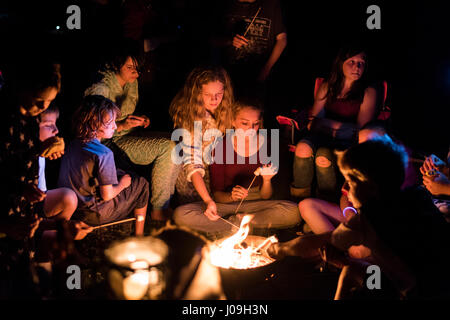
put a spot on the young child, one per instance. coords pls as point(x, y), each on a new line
point(323, 216)
point(119, 83)
point(402, 228)
point(88, 168)
point(59, 203)
point(205, 100)
point(241, 153)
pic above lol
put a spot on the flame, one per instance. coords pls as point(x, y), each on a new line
point(239, 236)
point(224, 254)
point(230, 254)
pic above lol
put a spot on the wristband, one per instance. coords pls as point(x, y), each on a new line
point(349, 208)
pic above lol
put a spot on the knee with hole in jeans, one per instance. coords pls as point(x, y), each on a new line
point(326, 171)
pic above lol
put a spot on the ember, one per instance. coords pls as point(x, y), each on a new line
point(234, 253)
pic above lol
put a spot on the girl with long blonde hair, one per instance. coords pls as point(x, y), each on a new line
point(230, 184)
point(206, 99)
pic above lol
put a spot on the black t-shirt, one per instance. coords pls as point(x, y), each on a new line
point(261, 34)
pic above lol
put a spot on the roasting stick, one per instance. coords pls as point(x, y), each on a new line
point(253, 20)
point(113, 223)
point(256, 173)
point(229, 222)
point(272, 239)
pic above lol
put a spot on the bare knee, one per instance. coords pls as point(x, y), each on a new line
point(305, 207)
point(303, 150)
point(69, 198)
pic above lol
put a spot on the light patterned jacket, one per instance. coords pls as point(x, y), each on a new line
point(126, 98)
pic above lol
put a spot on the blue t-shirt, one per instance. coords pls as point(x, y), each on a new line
point(84, 167)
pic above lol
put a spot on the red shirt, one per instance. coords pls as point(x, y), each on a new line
point(343, 110)
point(226, 176)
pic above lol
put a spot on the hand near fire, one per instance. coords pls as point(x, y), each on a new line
point(211, 211)
point(295, 247)
point(79, 229)
point(306, 246)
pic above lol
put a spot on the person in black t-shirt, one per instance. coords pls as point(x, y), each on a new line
point(254, 39)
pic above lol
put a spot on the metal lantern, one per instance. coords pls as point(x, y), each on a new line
point(137, 269)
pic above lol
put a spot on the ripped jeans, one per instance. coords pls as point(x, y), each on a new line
point(321, 165)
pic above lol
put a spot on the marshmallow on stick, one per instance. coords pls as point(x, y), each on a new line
point(266, 170)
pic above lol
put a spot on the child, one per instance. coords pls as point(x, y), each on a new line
point(59, 203)
point(119, 83)
point(322, 216)
point(88, 168)
point(232, 175)
point(205, 100)
point(402, 228)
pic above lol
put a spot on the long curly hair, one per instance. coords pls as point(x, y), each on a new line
point(92, 115)
point(336, 78)
point(187, 106)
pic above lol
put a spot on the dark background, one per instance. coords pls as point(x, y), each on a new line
point(410, 51)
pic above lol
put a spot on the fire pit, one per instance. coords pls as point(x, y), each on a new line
point(242, 260)
point(251, 253)
point(240, 251)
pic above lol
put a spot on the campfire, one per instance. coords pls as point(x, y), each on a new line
point(241, 251)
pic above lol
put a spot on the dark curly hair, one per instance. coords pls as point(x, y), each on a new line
point(379, 160)
point(91, 116)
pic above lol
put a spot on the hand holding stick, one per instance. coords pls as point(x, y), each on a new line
point(113, 223)
point(256, 173)
point(251, 23)
point(240, 40)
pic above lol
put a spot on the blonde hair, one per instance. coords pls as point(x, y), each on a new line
point(187, 106)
